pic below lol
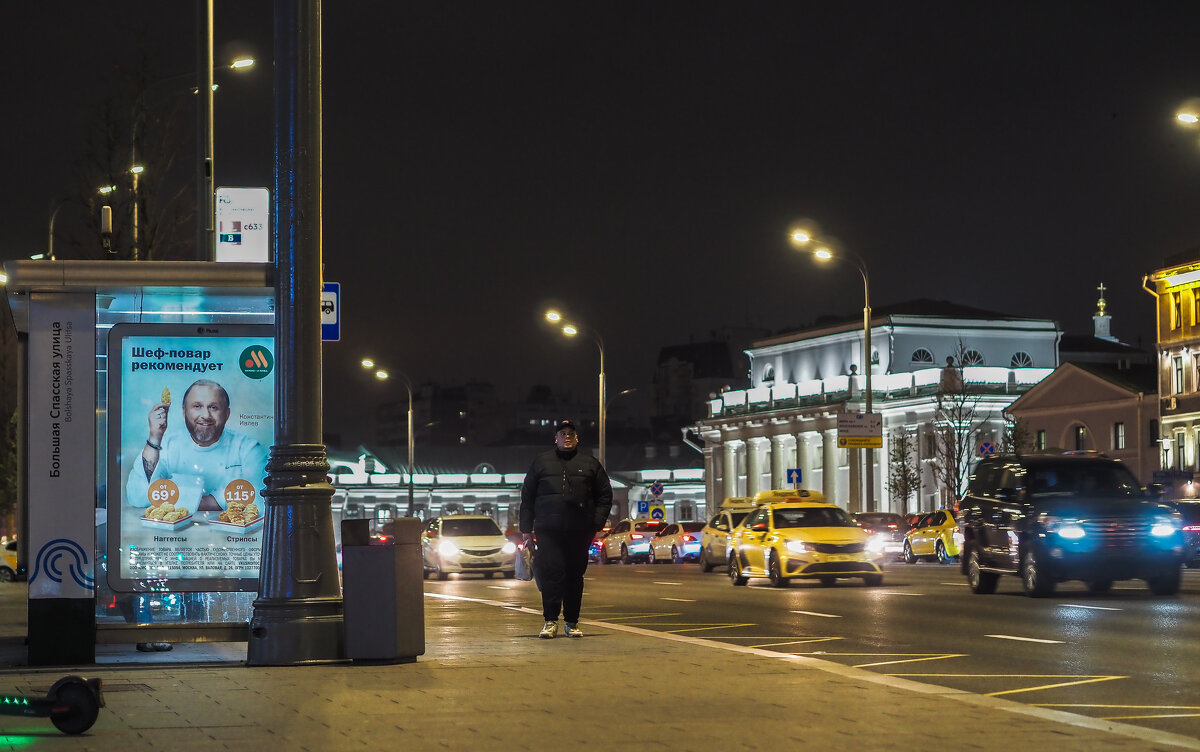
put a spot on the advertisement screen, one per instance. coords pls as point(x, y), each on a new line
point(191, 419)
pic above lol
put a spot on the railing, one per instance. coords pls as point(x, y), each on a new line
point(925, 382)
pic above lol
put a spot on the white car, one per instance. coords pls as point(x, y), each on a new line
point(676, 543)
point(466, 544)
point(629, 541)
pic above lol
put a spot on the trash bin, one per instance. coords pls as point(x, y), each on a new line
point(383, 592)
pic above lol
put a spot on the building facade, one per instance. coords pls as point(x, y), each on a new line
point(1176, 289)
point(800, 382)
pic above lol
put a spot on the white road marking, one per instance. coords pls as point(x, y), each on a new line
point(1094, 608)
point(659, 582)
point(681, 600)
point(815, 613)
point(1024, 639)
point(498, 587)
point(894, 592)
point(955, 584)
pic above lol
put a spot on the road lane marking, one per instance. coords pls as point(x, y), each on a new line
point(894, 592)
point(1094, 608)
point(1091, 680)
point(1131, 707)
point(792, 642)
point(897, 681)
point(681, 600)
point(956, 584)
point(937, 657)
point(816, 613)
point(1077, 680)
point(657, 582)
point(714, 626)
point(1025, 639)
point(638, 616)
point(498, 587)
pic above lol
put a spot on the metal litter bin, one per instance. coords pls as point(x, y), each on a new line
point(383, 592)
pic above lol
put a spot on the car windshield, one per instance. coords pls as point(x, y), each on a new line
point(691, 527)
point(648, 526)
point(1083, 479)
point(735, 518)
point(812, 517)
point(480, 526)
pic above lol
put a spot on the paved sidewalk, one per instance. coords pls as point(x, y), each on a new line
point(487, 682)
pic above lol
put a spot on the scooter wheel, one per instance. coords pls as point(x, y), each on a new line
point(82, 709)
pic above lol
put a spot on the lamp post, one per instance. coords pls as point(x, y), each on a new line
point(383, 375)
point(824, 251)
point(570, 330)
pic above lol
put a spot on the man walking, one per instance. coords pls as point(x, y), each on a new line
point(565, 499)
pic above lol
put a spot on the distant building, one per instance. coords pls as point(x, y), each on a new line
point(688, 375)
point(1176, 288)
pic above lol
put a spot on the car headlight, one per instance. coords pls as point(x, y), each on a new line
point(509, 548)
point(447, 548)
point(877, 542)
point(1163, 527)
point(797, 547)
point(1064, 527)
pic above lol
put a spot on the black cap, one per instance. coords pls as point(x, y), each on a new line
point(565, 423)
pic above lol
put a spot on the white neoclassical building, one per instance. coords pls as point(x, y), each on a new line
point(800, 382)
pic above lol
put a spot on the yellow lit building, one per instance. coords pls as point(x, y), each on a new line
point(1176, 289)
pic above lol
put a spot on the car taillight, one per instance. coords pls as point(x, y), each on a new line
point(636, 536)
point(689, 538)
point(1191, 528)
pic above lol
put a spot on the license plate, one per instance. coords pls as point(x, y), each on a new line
point(839, 557)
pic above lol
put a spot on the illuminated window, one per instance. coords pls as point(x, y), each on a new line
point(1196, 372)
point(1177, 375)
point(1040, 441)
point(1118, 436)
point(1080, 437)
point(1195, 306)
point(972, 358)
point(1021, 359)
point(921, 355)
point(1176, 314)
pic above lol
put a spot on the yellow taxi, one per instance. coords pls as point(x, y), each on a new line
point(934, 535)
point(799, 538)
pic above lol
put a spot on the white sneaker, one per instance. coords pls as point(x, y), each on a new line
point(573, 630)
point(549, 630)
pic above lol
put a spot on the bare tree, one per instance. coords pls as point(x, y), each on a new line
point(957, 423)
point(138, 126)
point(904, 477)
point(1017, 437)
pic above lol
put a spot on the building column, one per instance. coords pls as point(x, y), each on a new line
point(829, 467)
point(856, 478)
point(804, 461)
point(711, 502)
point(779, 461)
point(753, 465)
point(729, 473)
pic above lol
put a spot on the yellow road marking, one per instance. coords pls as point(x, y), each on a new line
point(1077, 680)
point(795, 642)
point(938, 657)
point(714, 626)
point(636, 616)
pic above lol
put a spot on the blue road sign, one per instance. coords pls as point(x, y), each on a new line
point(643, 507)
point(794, 476)
point(658, 513)
point(986, 449)
point(331, 312)
point(656, 488)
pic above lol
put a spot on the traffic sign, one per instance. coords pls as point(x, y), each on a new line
point(658, 512)
point(986, 449)
point(643, 508)
point(243, 224)
point(656, 488)
point(860, 431)
point(331, 325)
point(794, 475)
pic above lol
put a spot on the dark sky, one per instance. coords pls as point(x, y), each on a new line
point(641, 162)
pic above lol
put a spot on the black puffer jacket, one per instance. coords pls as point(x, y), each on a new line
point(565, 491)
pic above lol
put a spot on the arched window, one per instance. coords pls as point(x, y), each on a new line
point(972, 358)
point(769, 373)
point(1021, 359)
point(922, 355)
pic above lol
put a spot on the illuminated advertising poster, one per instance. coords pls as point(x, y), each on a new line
point(191, 418)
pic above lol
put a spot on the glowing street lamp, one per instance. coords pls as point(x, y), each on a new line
point(806, 239)
point(570, 330)
point(382, 375)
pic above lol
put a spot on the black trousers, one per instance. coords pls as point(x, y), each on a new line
point(560, 561)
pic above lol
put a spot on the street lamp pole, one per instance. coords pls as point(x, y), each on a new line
point(823, 253)
point(383, 375)
point(571, 330)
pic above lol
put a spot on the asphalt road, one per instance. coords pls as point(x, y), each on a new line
point(1125, 654)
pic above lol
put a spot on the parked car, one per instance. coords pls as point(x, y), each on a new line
point(464, 544)
point(9, 571)
point(935, 536)
point(629, 541)
point(886, 530)
point(1052, 517)
point(1190, 511)
point(795, 540)
point(714, 537)
point(676, 543)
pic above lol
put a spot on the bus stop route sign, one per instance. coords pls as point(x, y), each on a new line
point(331, 325)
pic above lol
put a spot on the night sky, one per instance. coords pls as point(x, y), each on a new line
point(640, 164)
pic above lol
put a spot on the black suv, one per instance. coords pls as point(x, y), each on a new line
point(1049, 518)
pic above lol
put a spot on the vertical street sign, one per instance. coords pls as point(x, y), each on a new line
point(331, 328)
point(243, 224)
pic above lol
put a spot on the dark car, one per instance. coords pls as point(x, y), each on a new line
point(887, 531)
point(1190, 511)
point(1049, 518)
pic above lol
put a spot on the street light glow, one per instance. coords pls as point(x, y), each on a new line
point(569, 330)
point(137, 169)
point(368, 363)
point(553, 315)
point(242, 62)
point(381, 374)
point(801, 237)
point(1189, 118)
point(104, 190)
point(823, 254)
